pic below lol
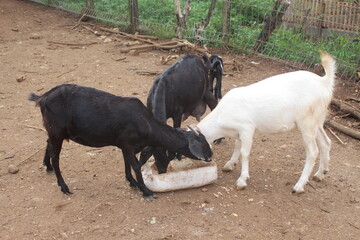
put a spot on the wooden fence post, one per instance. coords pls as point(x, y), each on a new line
point(320, 13)
point(226, 21)
point(134, 15)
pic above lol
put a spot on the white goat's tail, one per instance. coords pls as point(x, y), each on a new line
point(329, 65)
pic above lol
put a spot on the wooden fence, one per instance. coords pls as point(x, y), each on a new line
point(324, 14)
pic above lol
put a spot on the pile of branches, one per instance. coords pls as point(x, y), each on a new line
point(143, 43)
point(347, 113)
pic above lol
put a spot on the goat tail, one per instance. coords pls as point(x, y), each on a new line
point(33, 97)
point(329, 64)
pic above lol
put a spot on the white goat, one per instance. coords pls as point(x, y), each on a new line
point(276, 104)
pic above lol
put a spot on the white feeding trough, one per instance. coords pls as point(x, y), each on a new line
point(182, 174)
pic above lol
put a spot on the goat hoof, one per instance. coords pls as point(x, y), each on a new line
point(150, 198)
point(297, 192)
point(65, 189)
point(228, 167)
point(318, 178)
point(240, 185)
point(133, 185)
point(50, 172)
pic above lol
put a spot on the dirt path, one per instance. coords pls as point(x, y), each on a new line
point(103, 206)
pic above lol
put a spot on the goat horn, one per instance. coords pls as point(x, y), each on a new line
point(192, 129)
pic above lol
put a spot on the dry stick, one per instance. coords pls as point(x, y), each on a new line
point(38, 128)
point(336, 136)
point(346, 130)
point(78, 23)
point(147, 37)
point(118, 59)
point(26, 159)
point(133, 36)
point(180, 43)
point(353, 226)
point(155, 45)
point(147, 73)
point(66, 73)
point(127, 35)
point(165, 46)
point(353, 99)
point(346, 108)
point(94, 32)
point(311, 185)
point(72, 44)
point(168, 58)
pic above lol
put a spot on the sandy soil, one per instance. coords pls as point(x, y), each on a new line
point(103, 205)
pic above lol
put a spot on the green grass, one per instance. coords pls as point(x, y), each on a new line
point(246, 18)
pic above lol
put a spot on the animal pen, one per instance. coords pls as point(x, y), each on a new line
point(282, 29)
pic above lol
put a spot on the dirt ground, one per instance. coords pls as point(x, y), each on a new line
point(103, 205)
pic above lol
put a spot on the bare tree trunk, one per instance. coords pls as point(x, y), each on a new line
point(305, 18)
point(134, 15)
point(272, 22)
point(181, 17)
point(226, 21)
point(199, 29)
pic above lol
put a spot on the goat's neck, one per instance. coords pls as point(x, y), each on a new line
point(209, 130)
point(169, 137)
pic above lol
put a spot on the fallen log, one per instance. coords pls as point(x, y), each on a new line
point(346, 130)
point(346, 108)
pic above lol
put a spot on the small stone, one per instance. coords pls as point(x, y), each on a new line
point(64, 235)
point(152, 220)
point(107, 40)
point(13, 169)
point(134, 53)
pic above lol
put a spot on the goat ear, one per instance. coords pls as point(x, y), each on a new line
point(195, 147)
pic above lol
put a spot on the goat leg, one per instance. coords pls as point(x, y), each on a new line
point(46, 161)
point(55, 153)
point(129, 176)
point(130, 158)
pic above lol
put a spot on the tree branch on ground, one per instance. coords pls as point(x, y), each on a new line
point(346, 130)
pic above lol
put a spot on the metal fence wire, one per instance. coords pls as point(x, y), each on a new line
point(293, 30)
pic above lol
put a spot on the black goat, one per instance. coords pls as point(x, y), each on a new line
point(95, 118)
point(216, 71)
point(180, 91)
